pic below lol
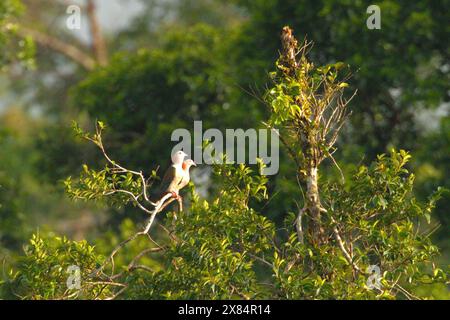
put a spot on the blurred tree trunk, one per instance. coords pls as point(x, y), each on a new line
point(36, 28)
point(98, 41)
point(70, 51)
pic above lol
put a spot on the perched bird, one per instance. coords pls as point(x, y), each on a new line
point(174, 176)
point(178, 157)
point(186, 166)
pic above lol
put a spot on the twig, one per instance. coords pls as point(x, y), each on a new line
point(286, 145)
point(141, 267)
point(342, 246)
point(133, 266)
point(118, 293)
point(337, 166)
point(108, 283)
point(99, 142)
point(407, 294)
point(159, 206)
point(261, 260)
point(132, 196)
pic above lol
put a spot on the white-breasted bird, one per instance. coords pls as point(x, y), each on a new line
point(186, 166)
point(177, 176)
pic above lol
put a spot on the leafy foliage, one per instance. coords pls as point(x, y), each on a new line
point(11, 47)
point(224, 249)
point(376, 219)
point(44, 270)
point(213, 254)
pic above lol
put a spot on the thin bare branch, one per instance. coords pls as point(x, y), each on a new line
point(120, 169)
point(159, 206)
point(284, 142)
point(341, 245)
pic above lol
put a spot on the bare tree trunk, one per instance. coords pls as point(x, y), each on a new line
point(313, 205)
point(98, 41)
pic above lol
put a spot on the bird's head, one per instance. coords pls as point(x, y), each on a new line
point(178, 157)
point(187, 164)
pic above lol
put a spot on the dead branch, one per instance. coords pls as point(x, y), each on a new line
point(159, 206)
point(97, 140)
point(341, 245)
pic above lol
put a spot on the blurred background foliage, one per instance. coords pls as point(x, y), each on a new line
point(175, 61)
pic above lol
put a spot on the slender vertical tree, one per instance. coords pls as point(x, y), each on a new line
point(309, 105)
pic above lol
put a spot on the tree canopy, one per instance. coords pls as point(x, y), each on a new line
point(85, 139)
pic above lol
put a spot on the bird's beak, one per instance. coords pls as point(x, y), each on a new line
point(194, 164)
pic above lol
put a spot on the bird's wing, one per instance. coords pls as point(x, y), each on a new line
point(170, 180)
